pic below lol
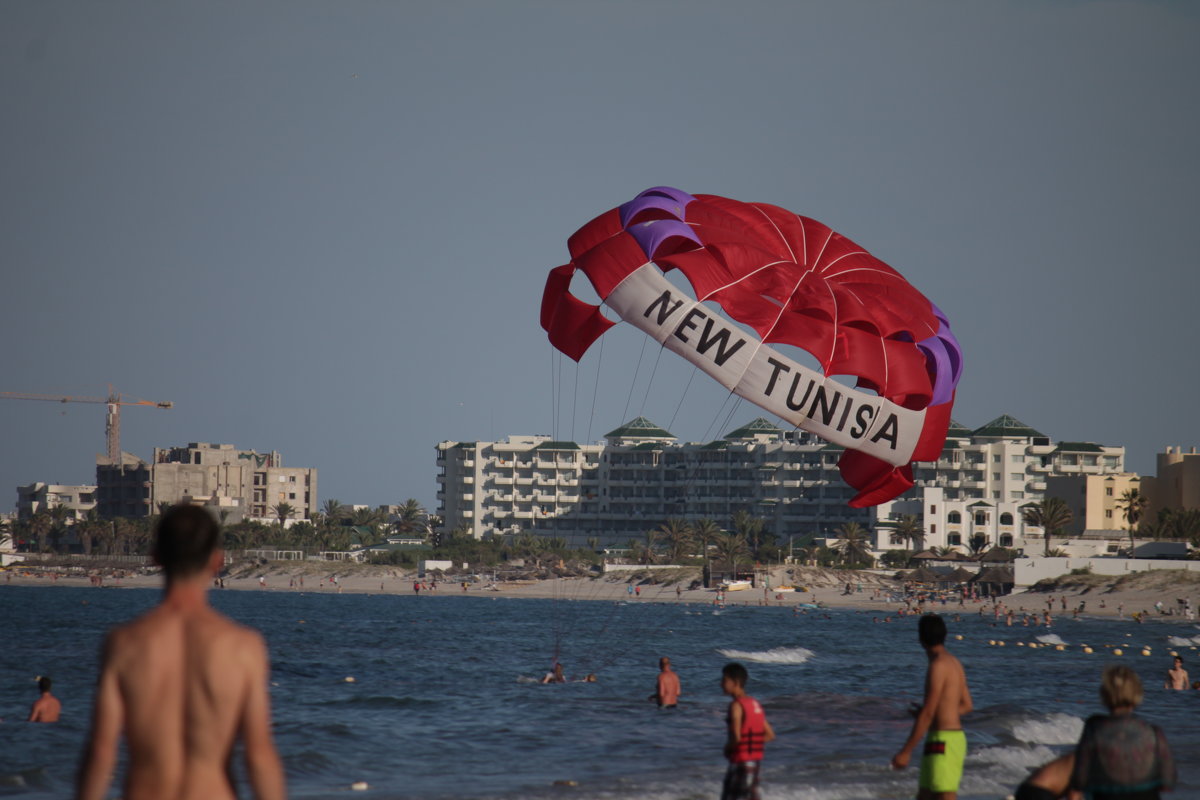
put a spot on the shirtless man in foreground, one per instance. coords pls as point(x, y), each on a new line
point(1177, 677)
point(946, 699)
point(182, 683)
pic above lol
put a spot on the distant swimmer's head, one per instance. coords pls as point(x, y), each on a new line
point(1120, 687)
point(664, 662)
point(931, 630)
point(44, 684)
point(185, 541)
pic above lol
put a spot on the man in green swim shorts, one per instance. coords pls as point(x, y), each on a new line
point(946, 699)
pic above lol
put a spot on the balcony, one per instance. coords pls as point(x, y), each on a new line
point(467, 497)
point(468, 479)
point(500, 481)
point(468, 462)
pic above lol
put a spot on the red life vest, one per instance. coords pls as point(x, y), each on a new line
point(750, 744)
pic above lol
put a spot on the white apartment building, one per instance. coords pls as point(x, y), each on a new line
point(978, 490)
point(78, 500)
point(638, 478)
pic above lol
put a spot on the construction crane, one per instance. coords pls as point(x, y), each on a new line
point(112, 425)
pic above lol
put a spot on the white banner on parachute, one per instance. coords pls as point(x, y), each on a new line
point(753, 370)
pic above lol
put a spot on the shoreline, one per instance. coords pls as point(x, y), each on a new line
point(825, 588)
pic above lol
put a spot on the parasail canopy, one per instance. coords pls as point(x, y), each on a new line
point(783, 279)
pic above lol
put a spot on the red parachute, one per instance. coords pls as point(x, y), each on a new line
point(792, 281)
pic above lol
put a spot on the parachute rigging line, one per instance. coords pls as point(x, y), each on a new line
point(650, 383)
point(595, 391)
point(687, 386)
point(633, 383)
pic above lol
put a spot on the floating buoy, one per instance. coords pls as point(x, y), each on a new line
point(359, 786)
point(1020, 644)
point(1001, 643)
point(1033, 646)
point(349, 679)
point(1117, 651)
point(1087, 649)
point(958, 636)
point(1146, 652)
point(566, 783)
point(992, 642)
point(1174, 654)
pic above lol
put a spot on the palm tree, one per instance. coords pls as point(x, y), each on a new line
point(333, 511)
point(732, 550)
point(1132, 504)
point(853, 543)
point(705, 531)
point(750, 527)
point(39, 528)
point(1051, 515)
point(977, 543)
point(283, 512)
point(410, 518)
point(677, 535)
point(6, 533)
point(89, 529)
point(911, 531)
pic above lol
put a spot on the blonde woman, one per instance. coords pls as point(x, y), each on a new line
point(1120, 755)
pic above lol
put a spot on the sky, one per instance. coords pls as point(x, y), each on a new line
point(323, 228)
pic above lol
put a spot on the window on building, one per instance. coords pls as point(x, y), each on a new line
point(933, 528)
point(1016, 495)
point(1006, 540)
point(933, 509)
point(995, 495)
point(996, 476)
point(1016, 476)
point(954, 539)
point(1006, 518)
point(1018, 459)
point(1108, 491)
point(1108, 513)
point(996, 458)
point(980, 518)
point(954, 518)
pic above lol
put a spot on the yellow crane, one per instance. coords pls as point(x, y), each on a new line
point(112, 425)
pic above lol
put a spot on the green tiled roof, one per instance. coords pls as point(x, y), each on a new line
point(754, 428)
point(557, 446)
point(1078, 447)
point(958, 431)
point(719, 444)
point(833, 447)
point(1006, 427)
point(639, 428)
point(647, 446)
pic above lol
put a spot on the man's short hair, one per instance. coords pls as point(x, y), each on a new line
point(185, 539)
point(1120, 686)
point(736, 673)
point(931, 629)
point(44, 684)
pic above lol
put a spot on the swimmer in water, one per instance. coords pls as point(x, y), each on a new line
point(555, 675)
point(46, 708)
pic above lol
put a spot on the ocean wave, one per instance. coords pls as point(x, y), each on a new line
point(1015, 757)
point(778, 655)
point(1183, 641)
point(1053, 729)
point(1050, 638)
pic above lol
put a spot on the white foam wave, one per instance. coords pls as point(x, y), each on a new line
point(1050, 638)
point(1055, 729)
point(1183, 641)
point(778, 655)
point(1013, 757)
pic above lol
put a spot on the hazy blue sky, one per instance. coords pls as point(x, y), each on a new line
point(323, 227)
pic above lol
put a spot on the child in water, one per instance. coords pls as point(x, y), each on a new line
point(748, 732)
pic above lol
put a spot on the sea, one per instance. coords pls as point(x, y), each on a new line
point(440, 697)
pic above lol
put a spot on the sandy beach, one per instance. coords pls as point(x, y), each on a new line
point(1103, 596)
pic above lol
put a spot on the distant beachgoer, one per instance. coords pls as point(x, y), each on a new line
point(678, 591)
point(555, 675)
point(947, 698)
point(637, 591)
point(182, 683)
point(1177, 677)
point(629, 588)
point(666, 693)
point(590, 678)
point(416, 587)
point(748, 730)
point(46, 708)
point(1119, 754)
point(1049, 781)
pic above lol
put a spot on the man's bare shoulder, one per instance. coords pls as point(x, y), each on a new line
point(161, 624)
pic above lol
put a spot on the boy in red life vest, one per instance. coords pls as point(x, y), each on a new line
point(748, 732)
